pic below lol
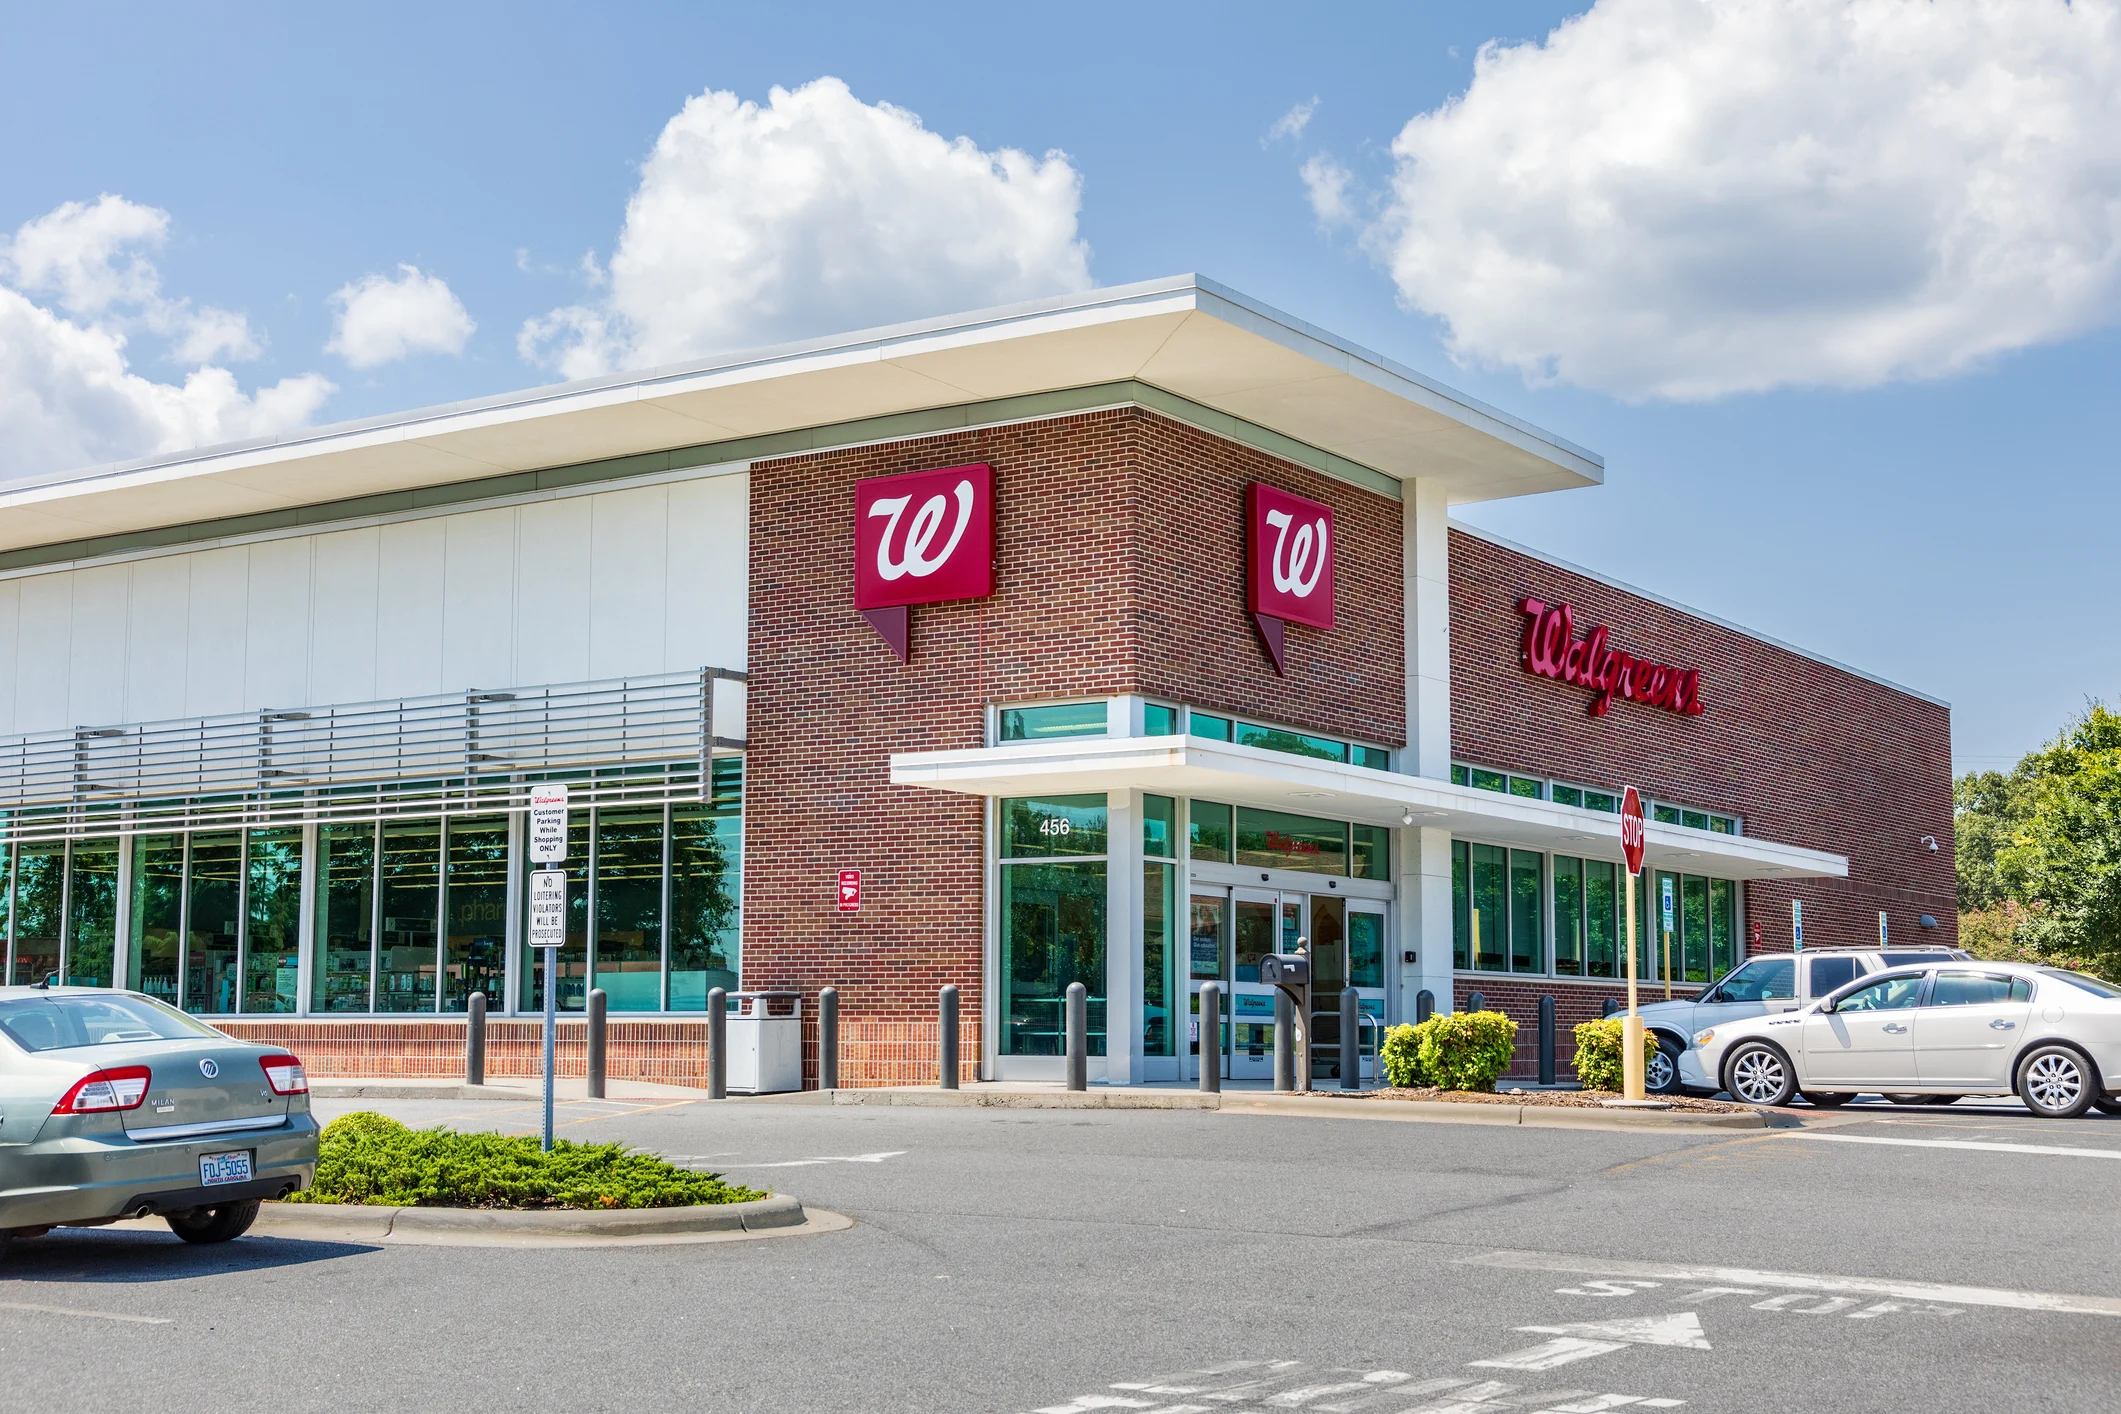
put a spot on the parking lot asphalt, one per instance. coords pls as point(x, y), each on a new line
point(1057, 1260)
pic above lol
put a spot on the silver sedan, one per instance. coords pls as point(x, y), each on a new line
point(113, 1106)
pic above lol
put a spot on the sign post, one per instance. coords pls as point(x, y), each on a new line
point(1665, 887)
point(1631, 842)
point(548, 912)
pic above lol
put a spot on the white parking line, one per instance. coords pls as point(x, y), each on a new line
point(1976, 1144)
point(1799, 1281)
point(93, 1315)
point(827, 1159)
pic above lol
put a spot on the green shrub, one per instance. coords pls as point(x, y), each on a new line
point(1401, 1055)
point(1467, 1050)
point(1598, 1053)
point(371, 1158)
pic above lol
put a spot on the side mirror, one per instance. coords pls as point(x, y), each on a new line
point(1827, 1005)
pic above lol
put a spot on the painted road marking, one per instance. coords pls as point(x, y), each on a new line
point(827, 1159)
point(1260, 1386)
point(1582, 1340)
point(1824, 1306)
point(1976, 1144)
point(1922, 1291)
point(93, 1315)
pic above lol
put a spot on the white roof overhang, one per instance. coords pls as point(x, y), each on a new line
point(1186, 335)
point(1250, 775)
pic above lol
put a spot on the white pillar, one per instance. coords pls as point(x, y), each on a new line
point(1123, 938)
point(1424, 853)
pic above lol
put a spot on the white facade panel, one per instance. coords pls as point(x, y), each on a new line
point(705, 602)
point(552, 591)
point(43, 654)
point(409, 608)
point(96, 647)
point(157, 627)
point(216, 636)
point(10, 620)
point(276, 652)
point(342, 615)
point(626, 580)
point(478, 600)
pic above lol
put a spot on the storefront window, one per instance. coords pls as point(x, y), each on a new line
point(40, 894)
point(92, 905)
point(1723, 930)
point(1366, 949)
point(346, 917)
point(157, 916)
point(1208, 728)
point(1568, 916)
point(1053, 920)
point(706, 862)
point(210, 939)
point(1694, 928)
point(1293, 743)
point(274, 911)
point(475, 942)
point(1205, 948)
point(629, 903)
point(1210, 831)
point(412, 898)
point(1527, 917)
point(1159, 924)
point(1373, 852)
point(1498, 908)
point(1047, 723)
point(1159, 815)
point(1055, 825)
point(1159, 720)
point(1269, 839)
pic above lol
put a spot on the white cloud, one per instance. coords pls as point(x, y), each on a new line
point(1676, 199)
point(381, 319)
point(67, 395)
point(1292, 123)
point(1326, 183)
point(811, 214)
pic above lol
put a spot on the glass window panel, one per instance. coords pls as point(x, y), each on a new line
point(271, 949)
point(1458, 775)
point(1269, 839)
point(210, 945)
point(1209, 912)
point(1694, 819)
point(1053, 933)
point(157, 916)
point(1208, 728)
point(412, 896)
point(1047, 723)
point(1159, 720)
point(475, 944)
point(1461, 908)
point(346, 917)
point(1061, 824)
point(1373, 851)
point(1528, 952)
point(1723, 927)
point(1159, 957)
point(1253, 937)
point(1377, 758)
point(1567, 795)
point(1568, 916)
point(92, 930)
point(572, 966)
point(1665, 814)
point(706, 867)
point(1530, 790)
point(1969, 989)
point(1598, 800)
point(1694, 927)
point(1489, 780)
point(1601, 918)
point(1366, 949)
point(629, 961)
point(1490, 920)
point(1721, 824)
point(1210, 830)
point(40, 891)
point(1159, 826)
point(1324, 748)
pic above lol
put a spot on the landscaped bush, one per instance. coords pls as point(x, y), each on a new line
point(370, 1158)
point(1598, 1053)
point(1467, 1050)
point(1401, 1055)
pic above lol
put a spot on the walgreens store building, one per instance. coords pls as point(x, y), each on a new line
point(1119, 639)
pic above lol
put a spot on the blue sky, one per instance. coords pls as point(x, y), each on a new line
point(1935, 513)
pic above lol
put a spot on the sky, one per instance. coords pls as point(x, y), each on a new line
point(1831, 285)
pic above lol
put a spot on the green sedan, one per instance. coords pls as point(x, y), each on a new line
point(113, 1106)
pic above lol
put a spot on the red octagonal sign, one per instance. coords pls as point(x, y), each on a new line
point(1631, 829)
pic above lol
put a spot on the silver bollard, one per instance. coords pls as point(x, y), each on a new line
point(597, 1004)
point(946, 1037)
point(1424, 1005)
point(1477, 1001)
point(717, 1044)
point(1211, 1038)
point(1546, 1040)
point(475, 1040)
point(1284, 1042)
point(1078, 1037)
point(1350, 1039)
point(828, 1038)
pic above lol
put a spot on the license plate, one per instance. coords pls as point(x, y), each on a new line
point(224, 1168)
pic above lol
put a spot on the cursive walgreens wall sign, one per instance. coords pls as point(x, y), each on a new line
point(923, 537)
point(1289, 541)
point(1552, 650)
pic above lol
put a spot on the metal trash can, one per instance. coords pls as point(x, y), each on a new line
point(765, 1042)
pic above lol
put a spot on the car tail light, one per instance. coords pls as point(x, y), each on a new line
point(106, 1091)
point(285, 1075)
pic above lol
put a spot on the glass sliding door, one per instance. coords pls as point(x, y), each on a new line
point(1053, 920)
point(1208, 915)
point(412, 900)
point(215, 889)
point(273, 910)
point(40, 902)
point(92, 909)
point(343, 967)
point(475, 943)
point(629, 903)
point(156, 958)
point(1159, 925)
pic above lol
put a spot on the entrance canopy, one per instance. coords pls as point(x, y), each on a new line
point(1250, 775)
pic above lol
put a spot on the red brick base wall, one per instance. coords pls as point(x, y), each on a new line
point(1573, 1003)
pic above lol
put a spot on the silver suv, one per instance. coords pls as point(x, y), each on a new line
point(1758, 986)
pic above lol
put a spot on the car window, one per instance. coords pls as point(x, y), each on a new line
point(1885, 994)
point(1764, 979)
point(1971, 989)
point(1911, 959)
point(2078, 979)
point(1831, 972)
point(61, 1022)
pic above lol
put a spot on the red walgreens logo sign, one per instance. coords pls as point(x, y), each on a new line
point(1552, 650)
point(1289, 543)
point(921, 538)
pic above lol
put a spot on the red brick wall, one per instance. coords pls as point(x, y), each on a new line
point(1807, 754)
point(1119, 568)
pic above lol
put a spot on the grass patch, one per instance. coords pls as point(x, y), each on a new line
point(372, 1159)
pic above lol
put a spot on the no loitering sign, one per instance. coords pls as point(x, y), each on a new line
point(548, 908)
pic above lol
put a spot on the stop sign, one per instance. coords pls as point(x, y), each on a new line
point(1631, 829)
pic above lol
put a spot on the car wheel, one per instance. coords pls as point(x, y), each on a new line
point(1759, 1074)
point(2056, 1082)
point(1826, 1099)
point(221, 1224)
point(1662, 1075)
point(1925, 1099)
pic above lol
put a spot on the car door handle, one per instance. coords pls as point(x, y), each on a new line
point(2001, 1025)
point(1894, 1028)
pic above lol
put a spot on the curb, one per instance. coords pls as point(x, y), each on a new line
point(1030, 1100)
point(776, 1216)
point(1524, 1116)
point(330, 1090)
